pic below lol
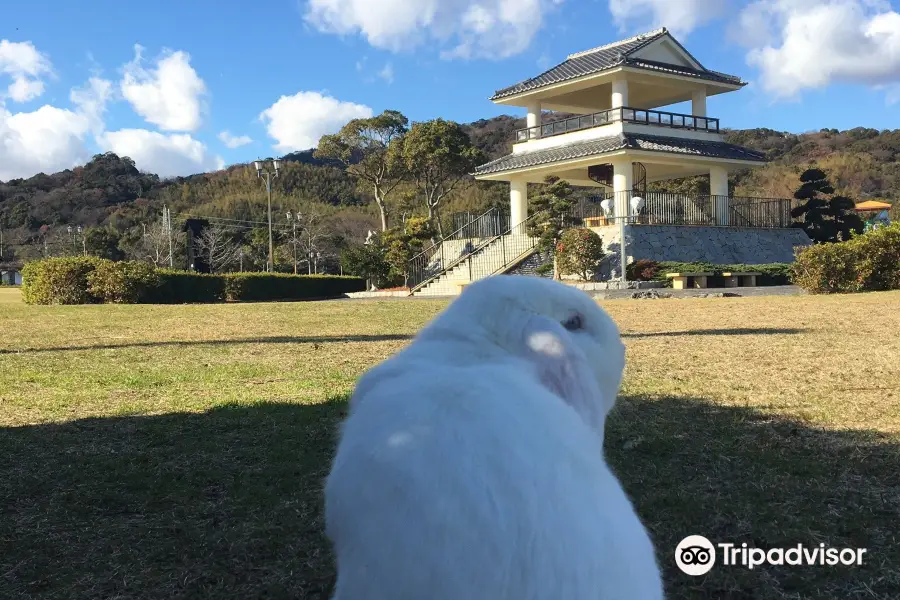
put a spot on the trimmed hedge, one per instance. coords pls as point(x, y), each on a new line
point(90, 280)
point(187, 287)
point(122, 282)
point(261, 287)
point(59, 280)
point(651, 270)
point(864, 263)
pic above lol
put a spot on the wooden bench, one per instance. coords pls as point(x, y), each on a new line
point(682, 281)
point(740, 279)
point(595, 221)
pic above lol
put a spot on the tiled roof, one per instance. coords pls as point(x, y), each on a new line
point(626, 141)
point(607, 57)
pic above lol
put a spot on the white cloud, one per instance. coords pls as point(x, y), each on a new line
point(47, 140)
point(51, 139)
point(387, 73)
point(809, 44)
point(466, 28)
point(234, 141)
point(679, 16)
point(167, 155)
point(91, 101)
point(297, 122)
point(25, 64)
point(169, 95)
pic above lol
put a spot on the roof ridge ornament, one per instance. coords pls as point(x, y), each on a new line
point(639, 37)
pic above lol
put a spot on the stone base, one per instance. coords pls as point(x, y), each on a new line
point(716, 245)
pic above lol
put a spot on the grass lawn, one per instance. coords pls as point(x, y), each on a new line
point(162, 452)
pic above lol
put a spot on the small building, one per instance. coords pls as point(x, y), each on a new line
point(614, 138)
point(10, 276)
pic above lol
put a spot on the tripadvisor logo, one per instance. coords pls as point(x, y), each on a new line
point(696, 555)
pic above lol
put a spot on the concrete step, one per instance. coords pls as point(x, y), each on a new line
point(479, 265)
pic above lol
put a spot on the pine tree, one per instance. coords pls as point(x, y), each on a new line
point(824, 219)
point(551, 215)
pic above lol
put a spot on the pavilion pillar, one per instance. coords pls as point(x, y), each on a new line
point(619, 93)
point(718, 189)
point(698, 103)
point(533, 121)
point(623, 182)
point(518, 204)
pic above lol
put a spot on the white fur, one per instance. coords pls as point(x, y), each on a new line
point(471, 465)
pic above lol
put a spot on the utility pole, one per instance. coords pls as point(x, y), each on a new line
point(269, 176)
point(83, 241)
point(293, 221)
point(167, 223)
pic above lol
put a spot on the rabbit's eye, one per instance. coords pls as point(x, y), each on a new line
point(574, 323)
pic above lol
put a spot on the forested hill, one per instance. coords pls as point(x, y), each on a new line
point(110, 191)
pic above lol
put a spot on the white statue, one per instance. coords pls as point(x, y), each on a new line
point(637, 203)
point(369, 237)
point(606, 205)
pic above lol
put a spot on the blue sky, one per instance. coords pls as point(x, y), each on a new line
point(206, 67)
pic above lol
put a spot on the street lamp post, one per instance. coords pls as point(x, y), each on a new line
point(276, 164)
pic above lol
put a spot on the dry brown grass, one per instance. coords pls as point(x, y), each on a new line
point(158, 452)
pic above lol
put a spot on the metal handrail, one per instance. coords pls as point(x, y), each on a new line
point(480, 248)
point(418, 272)
point(627, 114)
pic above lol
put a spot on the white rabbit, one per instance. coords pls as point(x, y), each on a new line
point(471, 465)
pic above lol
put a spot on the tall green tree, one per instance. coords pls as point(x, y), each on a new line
point(366, 260)
point(362, 146)
point(551, 216)
point(437, 155)
point(103, 242)
point(824, 219)
point(402, 243)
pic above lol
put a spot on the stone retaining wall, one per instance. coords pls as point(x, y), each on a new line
point(717, 245)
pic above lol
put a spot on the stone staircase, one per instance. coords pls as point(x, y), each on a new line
point(496, 255)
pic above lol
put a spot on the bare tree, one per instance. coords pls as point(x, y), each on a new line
point(312, 240)
point(218, 247)
point(154, 244)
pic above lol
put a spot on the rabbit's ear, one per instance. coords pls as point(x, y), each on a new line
point(561, 365)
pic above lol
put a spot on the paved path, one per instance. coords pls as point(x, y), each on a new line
point(769, 290)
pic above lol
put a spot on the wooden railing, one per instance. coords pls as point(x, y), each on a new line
point(625, 114)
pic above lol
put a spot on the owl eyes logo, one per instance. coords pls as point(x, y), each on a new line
point(695, 555)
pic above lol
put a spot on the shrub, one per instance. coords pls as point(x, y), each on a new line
point(879, 258)
point(643, 270)
point(187, 287)
point(868, 262)
point(123, 282)
point(277, 286)
point(579, 252)
point(59, 280)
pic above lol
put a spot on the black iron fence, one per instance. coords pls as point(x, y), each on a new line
point(663, 208)
point(614, 115)
point(468, 225)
